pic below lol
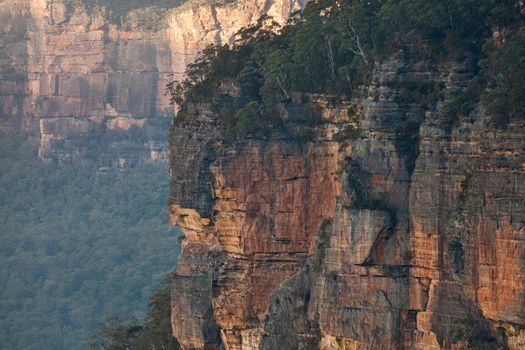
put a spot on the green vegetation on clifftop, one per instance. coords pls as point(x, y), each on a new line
point(333, 46)
point(132, 15)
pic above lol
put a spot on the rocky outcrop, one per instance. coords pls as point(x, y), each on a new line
point(256, 205)
point(79, 73)
point(373, 223)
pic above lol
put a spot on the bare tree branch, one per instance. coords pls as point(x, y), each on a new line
point(330, 55)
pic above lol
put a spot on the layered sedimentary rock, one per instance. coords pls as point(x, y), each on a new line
point(13, 64)
point(85, 77)
point(372, 223)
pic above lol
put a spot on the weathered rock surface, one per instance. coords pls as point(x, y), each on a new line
point(355, 234)
point(13, 64)
point(76, 75)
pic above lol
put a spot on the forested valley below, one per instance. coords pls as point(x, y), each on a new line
point(78, 246)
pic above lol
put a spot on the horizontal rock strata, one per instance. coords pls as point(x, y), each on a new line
point(389, 229)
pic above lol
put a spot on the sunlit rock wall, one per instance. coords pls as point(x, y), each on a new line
point(95, 89)
point(380, 226)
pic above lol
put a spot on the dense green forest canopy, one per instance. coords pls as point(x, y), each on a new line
point(77, 246)
point(332, 47)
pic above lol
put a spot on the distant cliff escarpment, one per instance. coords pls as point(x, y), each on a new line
point(89, 77)
point(355, 182)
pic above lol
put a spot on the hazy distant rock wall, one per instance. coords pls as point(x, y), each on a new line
point(14, 17)
point(80, 76)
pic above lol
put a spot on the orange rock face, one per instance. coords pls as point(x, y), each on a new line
point(270, 199)
point(269, 204)
point(500, 273)
point(334, 242)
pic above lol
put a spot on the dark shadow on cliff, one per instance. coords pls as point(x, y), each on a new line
point(459, 319)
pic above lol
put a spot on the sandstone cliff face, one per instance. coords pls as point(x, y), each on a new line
point(367, 224)
point(83, 80)
point(13, 64)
